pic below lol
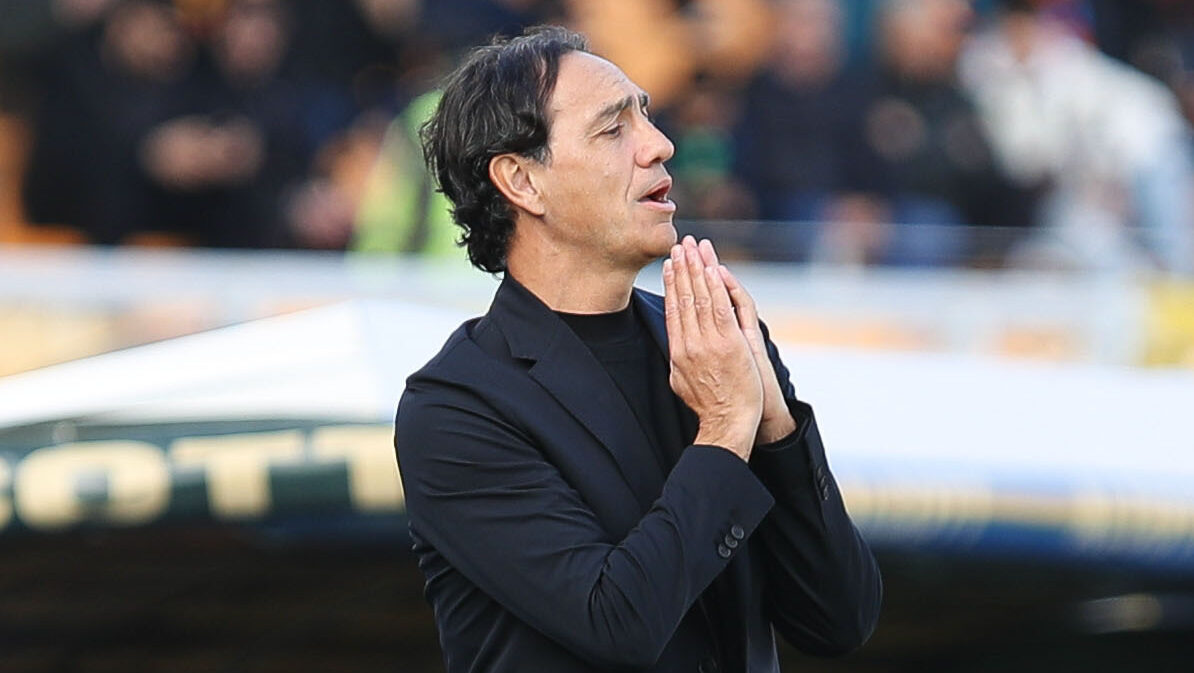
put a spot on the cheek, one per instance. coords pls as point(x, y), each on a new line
point(588, 184)
point(598, 186)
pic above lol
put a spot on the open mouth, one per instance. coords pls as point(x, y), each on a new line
point(659, 194)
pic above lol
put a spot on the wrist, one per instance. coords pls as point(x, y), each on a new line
point(775, 428)
point(738, 436)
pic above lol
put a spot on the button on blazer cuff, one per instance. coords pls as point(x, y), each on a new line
point(718, 478)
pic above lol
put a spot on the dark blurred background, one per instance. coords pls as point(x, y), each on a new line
point(1029, 133)
point(1005, 179)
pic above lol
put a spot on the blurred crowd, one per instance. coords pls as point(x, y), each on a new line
point(1035, 133)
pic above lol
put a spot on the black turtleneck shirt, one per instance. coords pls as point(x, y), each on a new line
point(621, 343)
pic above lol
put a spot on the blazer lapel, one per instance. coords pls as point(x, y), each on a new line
point(650, 309)
point(652, 314)
point(567, 370)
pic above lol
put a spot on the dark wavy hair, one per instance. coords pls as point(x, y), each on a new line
point(495, 103)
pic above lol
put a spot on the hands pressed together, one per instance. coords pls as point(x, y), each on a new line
point(719, 363)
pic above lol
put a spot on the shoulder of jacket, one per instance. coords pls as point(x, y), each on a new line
point(469, 355)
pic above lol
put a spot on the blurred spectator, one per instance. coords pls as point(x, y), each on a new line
point(800, 144)
point(106, 84)
point(732, 38)
point(647, 38)
point(940, 174)
point(400, 210)
point(345, 59)
point(219, 163)
point(365, 191)
point(700, 125)
point(1107, 142)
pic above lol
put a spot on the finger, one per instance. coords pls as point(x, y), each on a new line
point(702, 301)
point(685, 298)
point(690, 248)
point(671, 313)
point(748, 317)
point(708, 254)
point(723, 307)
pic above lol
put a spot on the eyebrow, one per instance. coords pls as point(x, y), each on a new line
point(615, 108)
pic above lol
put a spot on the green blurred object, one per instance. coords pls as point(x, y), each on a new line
point(401, 210)
point(702, 154)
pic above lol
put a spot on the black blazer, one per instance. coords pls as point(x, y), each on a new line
point(551, 540)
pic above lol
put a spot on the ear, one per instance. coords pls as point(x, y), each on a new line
point(513, 177)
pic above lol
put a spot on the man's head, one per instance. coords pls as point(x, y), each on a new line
point(810, 40)
point(538, 129)
point(921, 39)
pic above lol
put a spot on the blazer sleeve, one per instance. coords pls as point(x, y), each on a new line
point(484, 496)
point(824, 587)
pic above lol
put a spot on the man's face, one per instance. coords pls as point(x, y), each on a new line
point(604, 187)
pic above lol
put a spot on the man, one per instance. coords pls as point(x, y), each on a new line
point(597, 478)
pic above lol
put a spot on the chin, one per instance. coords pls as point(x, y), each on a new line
point(673, 235)
point(651, 251)
point(669, 234)
point(661, 245)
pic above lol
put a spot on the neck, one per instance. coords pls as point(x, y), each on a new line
point(567, 281)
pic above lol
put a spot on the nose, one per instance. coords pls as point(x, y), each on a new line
point(655, 148)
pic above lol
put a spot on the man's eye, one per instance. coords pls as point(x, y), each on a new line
point(613, 131)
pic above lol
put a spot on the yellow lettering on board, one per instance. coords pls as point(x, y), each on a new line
point(45, 490)
point(372, 470)
point(237, 467)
